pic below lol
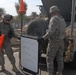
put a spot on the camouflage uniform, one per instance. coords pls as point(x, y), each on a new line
point(1, 57)
point(8, 31)
point(55, 35)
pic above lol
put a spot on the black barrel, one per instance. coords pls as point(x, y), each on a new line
point(65, 7)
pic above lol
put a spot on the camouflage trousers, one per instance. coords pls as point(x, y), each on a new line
point(8, 50)
point(55, 50)
point(1, 57)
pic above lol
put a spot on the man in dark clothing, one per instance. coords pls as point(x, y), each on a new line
point(8, 31)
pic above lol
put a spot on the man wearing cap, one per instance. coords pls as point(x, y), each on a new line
point(55, 35)
point(8, 31)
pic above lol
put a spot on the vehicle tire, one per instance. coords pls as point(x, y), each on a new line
point(38, 27)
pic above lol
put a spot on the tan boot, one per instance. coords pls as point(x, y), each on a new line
point(50, 73)
point(15, 69)
point(2, 68)
point(58, 73)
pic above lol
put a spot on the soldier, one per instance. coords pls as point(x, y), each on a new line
point(55, 35)
point(8, 31)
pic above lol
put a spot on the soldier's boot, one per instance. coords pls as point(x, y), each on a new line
point(15, 69)
point(2, 68)
point(50, 73)
point(58, 73)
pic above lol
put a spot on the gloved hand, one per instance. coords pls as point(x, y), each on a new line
point(19, 37)
point(71, 39)
point(40, 40)
point(10, 34)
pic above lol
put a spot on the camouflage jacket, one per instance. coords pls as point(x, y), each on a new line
point(6, 29)
point(56, 29)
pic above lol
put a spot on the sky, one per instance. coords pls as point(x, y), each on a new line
point(9, 6)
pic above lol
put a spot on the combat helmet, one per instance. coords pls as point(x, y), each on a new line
point(8, 17)
point(53, 9)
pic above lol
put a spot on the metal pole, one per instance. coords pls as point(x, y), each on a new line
point(21, 22)
point(72, 17)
